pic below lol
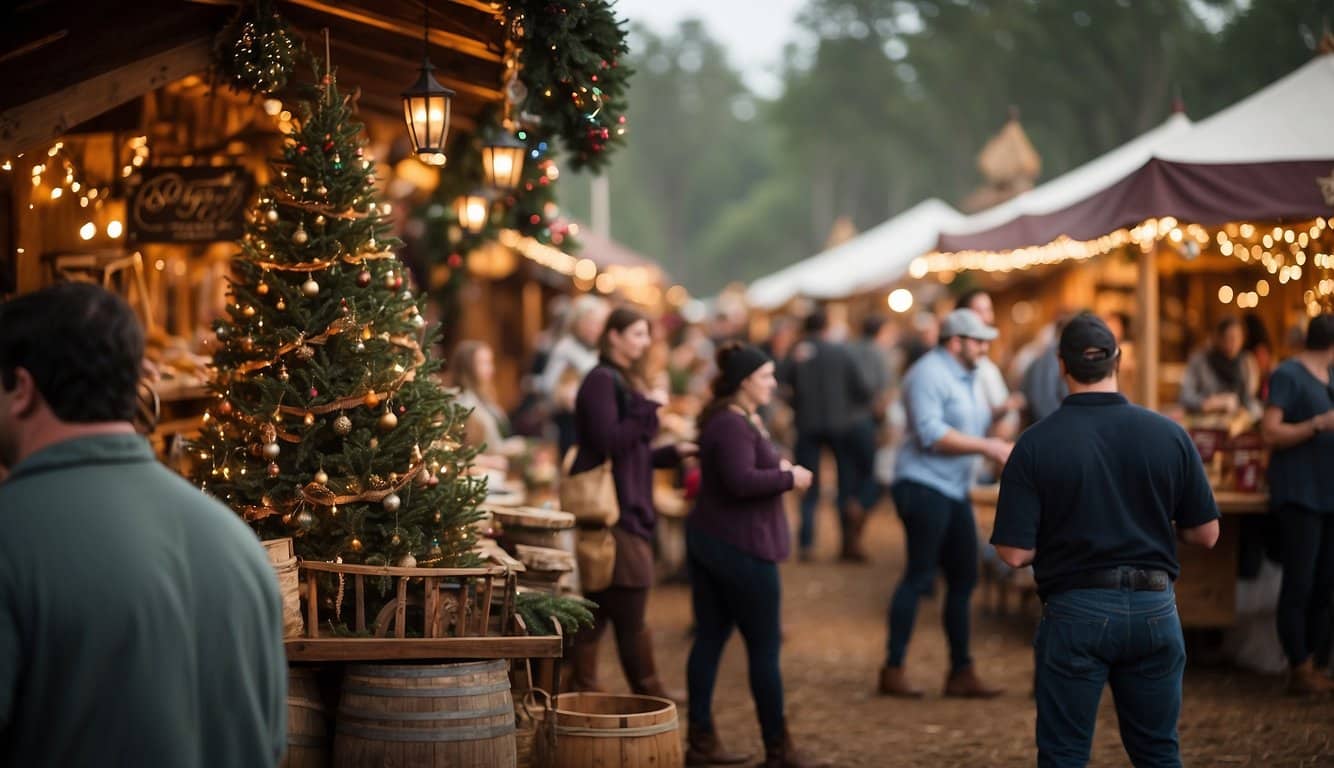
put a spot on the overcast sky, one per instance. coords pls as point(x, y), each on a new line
point(754, 31)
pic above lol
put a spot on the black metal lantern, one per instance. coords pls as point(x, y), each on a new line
point(426, 107)
point(502, 161)
point(473, 210)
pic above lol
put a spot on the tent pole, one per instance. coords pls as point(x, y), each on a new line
point(1147, 343)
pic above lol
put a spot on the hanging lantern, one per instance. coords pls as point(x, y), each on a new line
point(426, 107)
point(473, 211)
point(502, 160)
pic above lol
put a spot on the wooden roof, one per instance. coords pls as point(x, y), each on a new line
point(65, 61)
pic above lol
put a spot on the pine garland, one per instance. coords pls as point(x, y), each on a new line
point(539, 610)
point(571, 66)
point(256, 50)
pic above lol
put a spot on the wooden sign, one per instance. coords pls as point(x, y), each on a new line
point(194, 204)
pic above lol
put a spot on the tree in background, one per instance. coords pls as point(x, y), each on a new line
point(329, 427)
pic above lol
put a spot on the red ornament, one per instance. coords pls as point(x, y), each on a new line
point(543, 181)
point(364, 278)
point(398, 282)
point(594, 78)
point(314, 392)
point(402, 409)
point(328, 146)
point(225, 408)
point(454, 261)
point(534, 219)
point(302, 149)
point(621, 119)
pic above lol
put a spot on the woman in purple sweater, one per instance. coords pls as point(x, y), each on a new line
point(615, 420)
point(735, 536)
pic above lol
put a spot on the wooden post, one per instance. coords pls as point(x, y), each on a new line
point(1147, 340)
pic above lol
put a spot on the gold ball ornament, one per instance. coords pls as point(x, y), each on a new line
point(321, 190)
point(354, 544)
point(374, 443)
point(310, 289)
point(262, 289)
point(225, 407)
point(342, 426)
point(371, 400)
point(434, 552)
point(388, 421)
point(281, 305)
point(407, 561)
point(319, 220)
point(283, 375)
point(395, 540)
point(322, 477)
point(305, 352)
point(271, 215)
point(273, 469)
point(248, 311)
point(360, 347)
point(389, 279)
point(247, 343)
point(308, 419)
point(392, 502)
point(271, 451)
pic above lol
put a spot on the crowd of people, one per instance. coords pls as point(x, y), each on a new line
point(1095, 493)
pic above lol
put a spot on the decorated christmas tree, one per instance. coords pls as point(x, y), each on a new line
point(329, 427)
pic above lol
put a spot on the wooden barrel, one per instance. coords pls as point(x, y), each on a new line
point(455, 715)
point(307, 722)
point(289, 584)
point(607, 729)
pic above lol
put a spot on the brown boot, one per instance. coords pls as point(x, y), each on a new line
point(965, 684)
point(893, 682)
point(1305, 680)
point(785, 755)
point(703, 748)
point(584, 654)
point(854, 519)
point(642, 671)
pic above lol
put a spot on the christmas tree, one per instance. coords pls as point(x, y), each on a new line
point(329, 427)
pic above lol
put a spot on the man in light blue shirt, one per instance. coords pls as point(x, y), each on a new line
point(947, 432)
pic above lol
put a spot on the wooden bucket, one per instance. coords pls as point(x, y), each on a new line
point(446, 715)
point(307, 722)
point(607, 729)
point(289, 583)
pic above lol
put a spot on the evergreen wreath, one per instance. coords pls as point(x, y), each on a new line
point(256, 50)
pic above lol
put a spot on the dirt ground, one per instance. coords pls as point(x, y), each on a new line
point(834, 617)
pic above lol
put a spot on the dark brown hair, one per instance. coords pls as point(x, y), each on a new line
point(620, 320)
point(720, 399)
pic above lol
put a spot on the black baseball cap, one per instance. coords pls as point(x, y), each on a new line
point(1086, 341)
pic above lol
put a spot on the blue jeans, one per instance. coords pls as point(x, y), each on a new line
point(732, 589)
point(862, 441)
point(1089, 638)
point(941, 535)
point(807, 454)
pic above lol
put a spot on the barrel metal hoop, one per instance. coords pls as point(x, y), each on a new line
point(389, 717)
point(430, 670)
point(370, 690)
point(616, 733)
point(474, 733)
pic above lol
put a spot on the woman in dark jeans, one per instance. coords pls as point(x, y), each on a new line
point(735, 536)
point(616, 420)
point(1299, 425)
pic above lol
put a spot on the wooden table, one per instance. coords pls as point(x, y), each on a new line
point(1207, 588)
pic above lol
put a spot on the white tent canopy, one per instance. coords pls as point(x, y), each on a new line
point(1080, 182)
point(876, 257)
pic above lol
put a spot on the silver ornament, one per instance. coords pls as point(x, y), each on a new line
point(271, 215)
point(407, 561)
point(299, 236)
point(322, 477)
point(271, 451)
point(392, 502)
point(417, 321)
point(310, 288)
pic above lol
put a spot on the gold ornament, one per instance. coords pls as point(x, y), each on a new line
point(407, 561)
point(322, 477)
point(333, 511)
point(247, 343)
point(273, 469)
point(310, 289)
point(248, 311)
point(393, 478)
point(354, 544)
point(360, 347)
point(416, 452)
point(262, 289)
point(283, 375)
point(371, 399)
point(395, 540)
point(305, 352)
point(434, 552)
point(366, 334)
point(309, 419)
point(319, 220)
point(371, 244)
point(389, 278)
point(375, 481)
point(281, 305)
point(271, 215)
point(388, 421)
point(299, 236)
point(374, 443)
point(392, 502)
point(436, 517)
point(321, 190)
point(342, 426)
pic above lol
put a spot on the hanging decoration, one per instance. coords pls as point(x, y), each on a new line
point(256, 50)
point(426, 105)
point(572, 70)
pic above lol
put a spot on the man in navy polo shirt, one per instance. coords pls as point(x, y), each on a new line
point(1095, 496)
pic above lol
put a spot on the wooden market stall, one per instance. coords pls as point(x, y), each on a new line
point(1229, 216)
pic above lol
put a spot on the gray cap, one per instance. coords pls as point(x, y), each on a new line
point(966, 323)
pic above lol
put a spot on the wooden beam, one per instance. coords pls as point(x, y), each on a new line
point(398, 63)
point(39, 121)
point(445, 39)
point(416, 649)
point(493, 8)
point(1147, 338)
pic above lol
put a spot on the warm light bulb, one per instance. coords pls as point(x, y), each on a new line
point(114, 228)
point(56, 193)
point(88, 230)
point(900, 300)
point(1225, 294)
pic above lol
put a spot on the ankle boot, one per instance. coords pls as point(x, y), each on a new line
point(703, 748)
point(785, 755)
point(584, 654)
point(965, 684)
point(854, 519)
point(893, 682)
point(1305, 680)
point(642, 671)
